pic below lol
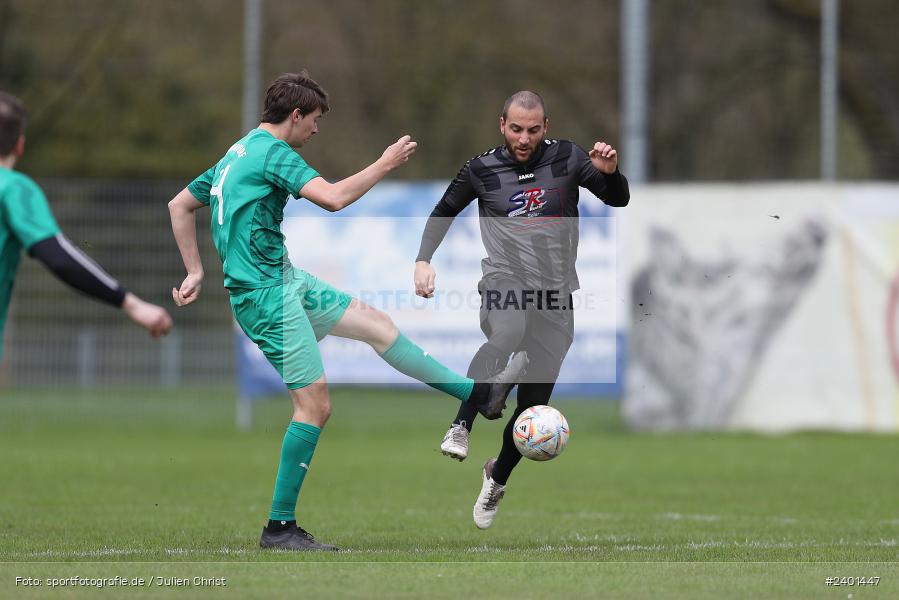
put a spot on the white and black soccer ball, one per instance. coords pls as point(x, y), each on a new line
point(541, 433)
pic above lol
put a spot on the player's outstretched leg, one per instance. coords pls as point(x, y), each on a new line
point(487, 362)
point(455, 441)
point(505, 330)
point(376, 328)
point(312, 407)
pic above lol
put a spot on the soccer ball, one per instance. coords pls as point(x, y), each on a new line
point(541, 433)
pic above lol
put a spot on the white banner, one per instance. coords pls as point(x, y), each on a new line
point(762, 307)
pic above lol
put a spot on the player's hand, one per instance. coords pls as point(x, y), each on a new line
point(399, 152)
point(425, 275)
point(604, 157)
point(153, 318)
point(189, 290)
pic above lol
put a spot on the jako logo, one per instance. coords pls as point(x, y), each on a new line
point(525, 176)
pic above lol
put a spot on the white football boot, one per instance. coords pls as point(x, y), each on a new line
point(485, 506)
point(455, 442)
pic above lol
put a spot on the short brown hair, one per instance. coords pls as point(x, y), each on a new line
point(290, 91)
point(525, 99)
point(12, 122)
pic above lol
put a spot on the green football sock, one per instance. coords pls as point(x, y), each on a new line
point(407, 358)
point(296, 456)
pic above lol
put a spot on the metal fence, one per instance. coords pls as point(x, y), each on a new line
point(55, 337)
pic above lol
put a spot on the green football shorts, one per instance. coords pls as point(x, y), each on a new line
point(287, 321)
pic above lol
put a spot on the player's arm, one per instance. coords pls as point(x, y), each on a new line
point(457, 196)
point(339, 195)
point(77, 270)
point(184, 226)
point(33, 224)
point(599, 173)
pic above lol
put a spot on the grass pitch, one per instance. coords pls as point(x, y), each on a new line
point(147, 484)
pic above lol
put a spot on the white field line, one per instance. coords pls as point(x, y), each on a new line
point(672, 516)
point(613, 543)
point(610, 516)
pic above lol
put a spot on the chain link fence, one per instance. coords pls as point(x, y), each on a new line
point(56, 338)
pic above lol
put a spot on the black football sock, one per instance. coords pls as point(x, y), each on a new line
point(479, 393)
point(465, 416)
point(509, 456)
point(278, 526)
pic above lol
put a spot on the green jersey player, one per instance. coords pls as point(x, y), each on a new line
point(282, 308)
point(27, 223)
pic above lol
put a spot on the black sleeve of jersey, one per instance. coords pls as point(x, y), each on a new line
point(74, 268)
point(457, 196)
point(611, 189)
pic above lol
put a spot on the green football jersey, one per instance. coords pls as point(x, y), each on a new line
point(246, 192)
point(25, 219)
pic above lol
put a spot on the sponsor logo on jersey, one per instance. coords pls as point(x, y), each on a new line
point(525, 176)
point(527, 202)
point(535, 202)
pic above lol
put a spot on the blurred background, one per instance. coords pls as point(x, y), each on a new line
point(761, 139)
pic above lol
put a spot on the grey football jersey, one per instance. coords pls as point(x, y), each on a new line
point(528, 211)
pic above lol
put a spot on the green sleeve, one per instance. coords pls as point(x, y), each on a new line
point(27, 213)
point(200, 186)
point(287, 170)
